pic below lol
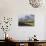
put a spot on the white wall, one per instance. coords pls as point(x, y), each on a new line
point(7, 8)
point(18, 8)
point(45, 27)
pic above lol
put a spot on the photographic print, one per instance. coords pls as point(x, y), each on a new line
point(27, 20)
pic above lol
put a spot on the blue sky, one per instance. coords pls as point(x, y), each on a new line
point(27, 17)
